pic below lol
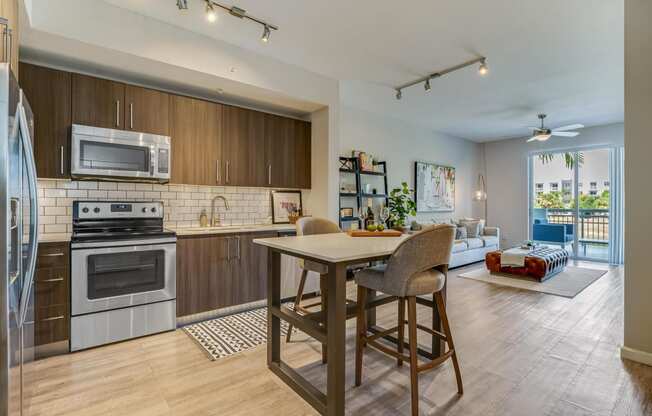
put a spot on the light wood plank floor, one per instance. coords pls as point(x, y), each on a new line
point(522, 353)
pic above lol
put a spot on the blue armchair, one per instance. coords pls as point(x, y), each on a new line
point(544, 232)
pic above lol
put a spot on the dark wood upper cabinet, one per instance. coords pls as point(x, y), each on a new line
point(146, 110)
point(303, 154)
point(196, 134)
point(49, 94)
point(98, 102)
point(212, 143)
point(243, 147)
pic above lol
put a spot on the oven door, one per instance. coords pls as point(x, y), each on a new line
point(105, 278)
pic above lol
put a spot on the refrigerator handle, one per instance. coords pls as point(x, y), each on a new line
point(33, 208)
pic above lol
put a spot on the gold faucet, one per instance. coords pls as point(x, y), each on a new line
point(215, 220)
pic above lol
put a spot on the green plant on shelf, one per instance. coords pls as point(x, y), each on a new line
point(401, 205)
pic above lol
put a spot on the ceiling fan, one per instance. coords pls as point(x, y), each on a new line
point(543, 133)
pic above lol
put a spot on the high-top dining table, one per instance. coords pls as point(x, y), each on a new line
point(336, 251)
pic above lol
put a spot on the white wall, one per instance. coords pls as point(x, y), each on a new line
point(507, 180)
point(638, 171)
point(401, 144)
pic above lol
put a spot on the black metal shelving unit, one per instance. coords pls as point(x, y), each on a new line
point(359, 195)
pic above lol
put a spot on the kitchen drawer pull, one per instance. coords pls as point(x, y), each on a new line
point(58, 279)
point(54, 318)
point(61, 148)
point(53, 255)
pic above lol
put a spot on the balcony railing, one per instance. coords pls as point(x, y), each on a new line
point(592, 224)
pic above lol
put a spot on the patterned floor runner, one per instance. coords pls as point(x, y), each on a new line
point(232, 334)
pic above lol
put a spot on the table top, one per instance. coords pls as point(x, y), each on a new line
point(334, 248)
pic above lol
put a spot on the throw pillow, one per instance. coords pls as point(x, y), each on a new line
point(472, 228)
point(482, 224)
point(460, 233)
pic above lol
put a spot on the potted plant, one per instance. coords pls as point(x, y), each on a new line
point(401, 205)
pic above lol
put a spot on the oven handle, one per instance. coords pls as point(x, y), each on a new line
point(123, 269)
point(124, 243)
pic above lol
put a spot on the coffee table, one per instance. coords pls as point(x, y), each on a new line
point(541, 263)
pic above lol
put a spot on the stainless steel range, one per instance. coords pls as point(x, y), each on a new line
point(123, 272)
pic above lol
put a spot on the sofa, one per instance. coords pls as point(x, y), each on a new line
point(471, 250)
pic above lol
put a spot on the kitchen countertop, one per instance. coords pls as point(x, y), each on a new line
point(230, 229)
point(54, 238)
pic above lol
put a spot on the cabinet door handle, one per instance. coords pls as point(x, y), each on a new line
point(54, 318)
point(131, 115)
point(61, 149)
point(238, 252)
point(228, 248)
point(217, 171)
point(53, 254)
point(269, 174)
point(227, 171)
point(58, 279)
point(117, 113)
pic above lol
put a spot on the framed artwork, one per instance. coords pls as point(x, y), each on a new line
point(434, 188)
point(346, 212)
point(285, 203)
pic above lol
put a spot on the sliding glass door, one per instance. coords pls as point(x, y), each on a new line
point(570, 201)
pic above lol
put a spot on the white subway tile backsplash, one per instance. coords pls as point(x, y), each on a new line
point(182, 203)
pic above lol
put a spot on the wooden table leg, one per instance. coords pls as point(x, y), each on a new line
point(336, 327)
point(273, 300)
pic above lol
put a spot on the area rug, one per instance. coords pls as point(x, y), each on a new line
point(232, 334)
point(568, 283)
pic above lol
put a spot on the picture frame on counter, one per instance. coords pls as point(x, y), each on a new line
point(285, 203)
point(346, 212)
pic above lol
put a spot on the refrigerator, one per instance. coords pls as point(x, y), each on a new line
point(19, 242)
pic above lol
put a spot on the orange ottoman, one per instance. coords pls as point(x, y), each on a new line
point(541, 264)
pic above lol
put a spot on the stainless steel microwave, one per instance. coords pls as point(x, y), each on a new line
point(117, 154)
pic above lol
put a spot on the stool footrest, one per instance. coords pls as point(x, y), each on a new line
point(381, 334)
point(436, 362)
point(388, 351)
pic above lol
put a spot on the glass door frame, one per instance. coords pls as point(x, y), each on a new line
point(576, 195)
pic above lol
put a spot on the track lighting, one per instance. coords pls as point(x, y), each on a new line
point(482, 70)
point(211, 15)
point(266, 34)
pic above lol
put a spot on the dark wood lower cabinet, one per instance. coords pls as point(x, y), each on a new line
point(218, 271)
point(52, 295)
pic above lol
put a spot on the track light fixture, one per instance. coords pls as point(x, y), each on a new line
point(266, 34)
point(482, 70)
point(211, 15)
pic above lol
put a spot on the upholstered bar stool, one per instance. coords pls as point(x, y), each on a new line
point(418, 267)
point(310, 226)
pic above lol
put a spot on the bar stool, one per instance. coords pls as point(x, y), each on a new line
point(310, 226)
point(418, 267)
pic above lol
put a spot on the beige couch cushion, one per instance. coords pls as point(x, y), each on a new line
point(460, 245)
point(474, 243)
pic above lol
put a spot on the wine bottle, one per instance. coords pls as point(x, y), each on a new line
point(370, 213)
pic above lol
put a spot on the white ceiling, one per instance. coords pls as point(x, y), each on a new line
point(561, 57)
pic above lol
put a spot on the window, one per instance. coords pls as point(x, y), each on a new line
point(554, 186)
point(539, 188)
point(579, 185)
point(606, 184)
point(593, 192)
point(594, 185)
